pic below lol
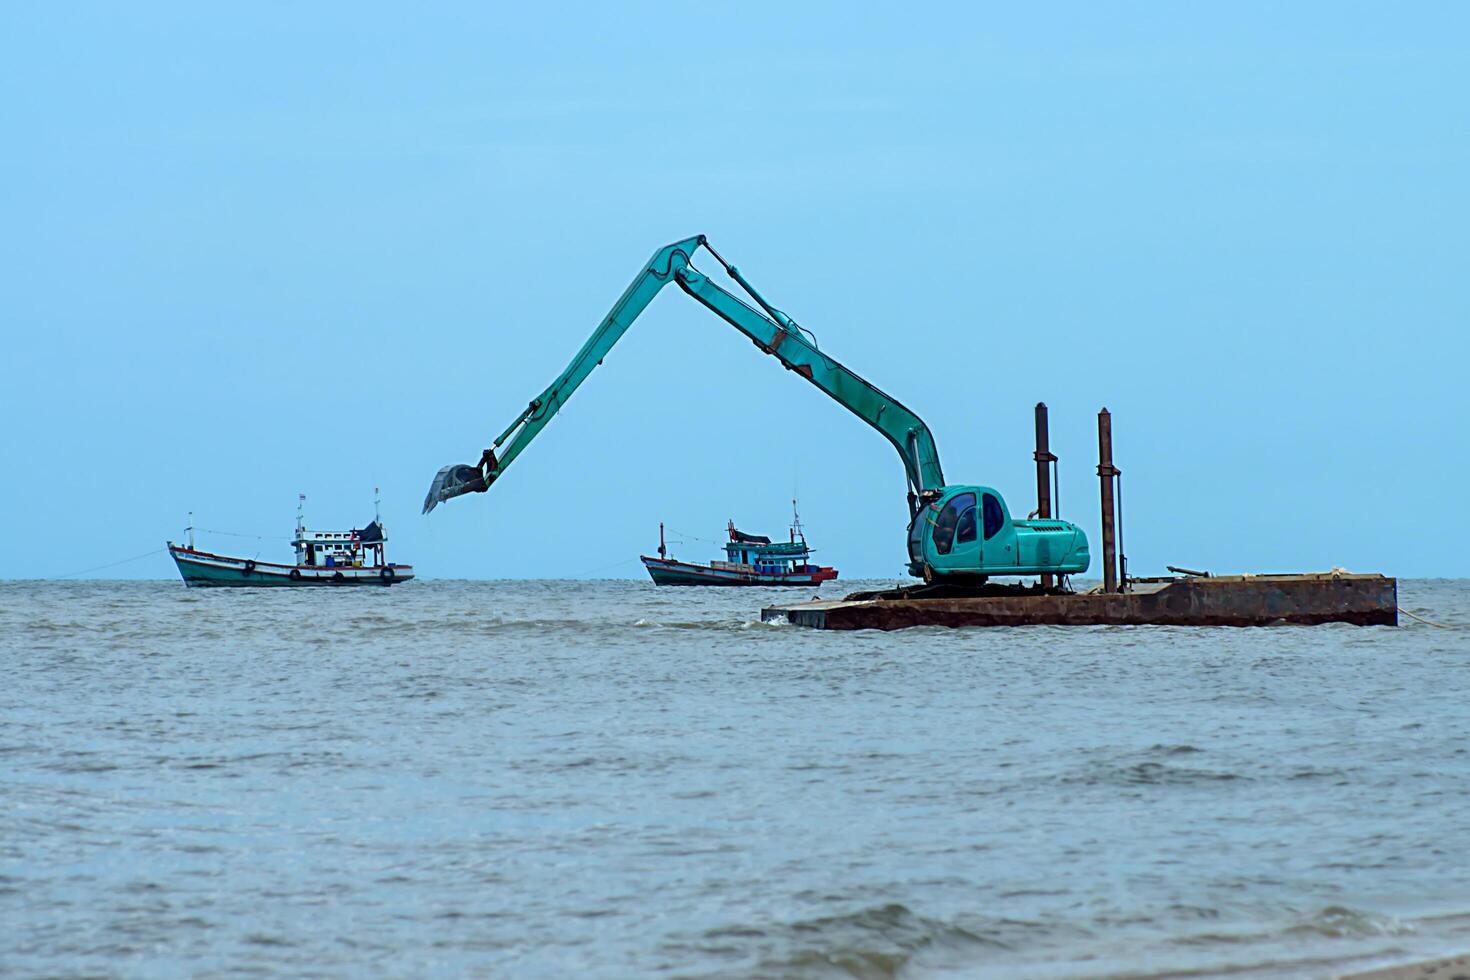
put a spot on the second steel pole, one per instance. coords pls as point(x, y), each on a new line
point(1105, 473)
point(1044, 459)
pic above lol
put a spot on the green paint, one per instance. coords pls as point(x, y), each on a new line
point(1014, 548)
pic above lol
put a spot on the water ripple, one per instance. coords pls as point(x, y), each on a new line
point(609, 780)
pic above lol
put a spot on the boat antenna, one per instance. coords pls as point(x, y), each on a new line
point(377, 505)
point(190, 529)
point(300, 514)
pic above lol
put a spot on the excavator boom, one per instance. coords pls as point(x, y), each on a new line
point(770, 329)
point(956, 532)
point(778, 335)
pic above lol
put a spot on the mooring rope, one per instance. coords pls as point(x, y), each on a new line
point(146, 554)
point(604, 568)
point(1427, 622)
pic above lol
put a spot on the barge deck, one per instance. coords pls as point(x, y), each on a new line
point(1235, 600)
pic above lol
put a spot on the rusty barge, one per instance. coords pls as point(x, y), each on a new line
point(1236, 600)
point(1190, 598)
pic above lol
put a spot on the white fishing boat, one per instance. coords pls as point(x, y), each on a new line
point(353, 557)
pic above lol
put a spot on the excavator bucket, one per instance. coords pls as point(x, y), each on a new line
point(458, 478)
point(451, 481)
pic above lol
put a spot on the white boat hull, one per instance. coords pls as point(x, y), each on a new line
point(200, 569)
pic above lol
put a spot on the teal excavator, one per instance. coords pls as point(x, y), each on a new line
point(957, 533)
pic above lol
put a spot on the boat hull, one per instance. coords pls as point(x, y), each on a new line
point(667, 571)
point(200, 569)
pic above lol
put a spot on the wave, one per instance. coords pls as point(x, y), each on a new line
point(881, 942)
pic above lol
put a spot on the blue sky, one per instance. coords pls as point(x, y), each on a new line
point(318, 249)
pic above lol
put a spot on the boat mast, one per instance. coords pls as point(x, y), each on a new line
point(378, 520)
point(796, 529)
point(300, 543)
point(190, 529)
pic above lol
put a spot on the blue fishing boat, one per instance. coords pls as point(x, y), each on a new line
point(750, 559)
point(355, 557)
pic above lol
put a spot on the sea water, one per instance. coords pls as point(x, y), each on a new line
point(607, 779)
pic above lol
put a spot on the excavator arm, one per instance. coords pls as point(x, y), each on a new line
point(458, 478)
point(778, 335)
point(770, 329)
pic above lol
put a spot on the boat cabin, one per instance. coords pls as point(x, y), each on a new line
point(358, 548)
point(756, 553)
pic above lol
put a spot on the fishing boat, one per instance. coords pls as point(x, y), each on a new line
point(355, 557)
point(750, 559)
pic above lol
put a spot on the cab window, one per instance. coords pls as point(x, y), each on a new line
point(965, 529)
point(916, 534)
point(949, 520)
point(995, 517)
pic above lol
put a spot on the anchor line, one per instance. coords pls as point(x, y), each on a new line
point(594, 571)
point(146, 554)
point(1427, 622)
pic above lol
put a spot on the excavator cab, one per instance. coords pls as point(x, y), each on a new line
point(966, 532)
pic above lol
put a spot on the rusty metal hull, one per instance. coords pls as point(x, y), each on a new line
point(667, 571)
point(1246, 600)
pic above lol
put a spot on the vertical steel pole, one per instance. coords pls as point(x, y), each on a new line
point(1044, 459)
point(1119, 547)
point(1056, 489)
point(1105, 474)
